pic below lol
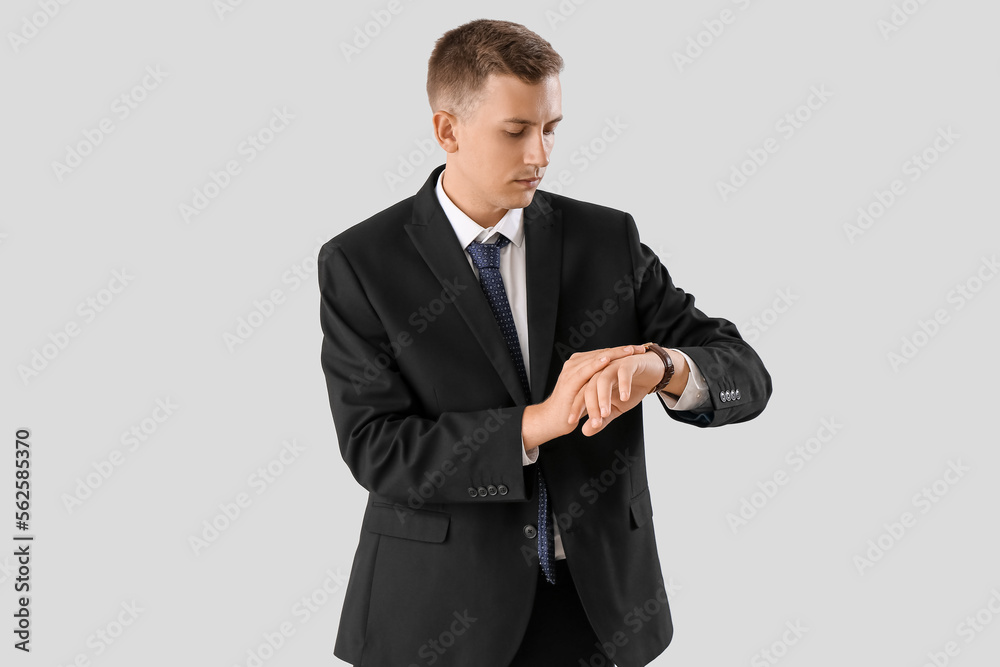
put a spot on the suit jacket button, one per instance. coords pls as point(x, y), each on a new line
point(482, 491)
point(502, 489)
point(529, 531)
point(472, 491)
point(722, 396)
point(737, 394)
point(492, 490)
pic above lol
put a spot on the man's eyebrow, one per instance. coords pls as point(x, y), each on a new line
point(522, 121)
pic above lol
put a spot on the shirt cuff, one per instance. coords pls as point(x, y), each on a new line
point(526, 458)
point(695, 392)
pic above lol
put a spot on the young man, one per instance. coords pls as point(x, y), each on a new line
point(499, 531)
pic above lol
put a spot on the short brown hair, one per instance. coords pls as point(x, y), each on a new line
point(464, 57)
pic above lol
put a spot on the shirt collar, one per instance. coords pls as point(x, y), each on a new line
point(469, 230)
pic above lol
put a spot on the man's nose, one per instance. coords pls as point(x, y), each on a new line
point(538, 151)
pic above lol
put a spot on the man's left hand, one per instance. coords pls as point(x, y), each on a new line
point(633, 376)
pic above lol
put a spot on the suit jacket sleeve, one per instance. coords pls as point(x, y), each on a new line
point(728, 364)
point(390, 449)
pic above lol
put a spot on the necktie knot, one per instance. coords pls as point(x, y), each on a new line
point(487, 255)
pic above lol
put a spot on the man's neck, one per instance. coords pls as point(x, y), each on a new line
point(485, 218)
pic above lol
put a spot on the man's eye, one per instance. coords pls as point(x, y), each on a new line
point(517, 134)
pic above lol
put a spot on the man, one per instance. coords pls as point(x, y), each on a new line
point(499, 531)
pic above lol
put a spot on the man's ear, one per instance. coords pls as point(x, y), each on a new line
point(444, 130)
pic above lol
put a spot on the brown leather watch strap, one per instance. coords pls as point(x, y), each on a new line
point(668, 370)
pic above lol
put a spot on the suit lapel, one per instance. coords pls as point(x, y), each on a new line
point(543, 265)
point(435, 240)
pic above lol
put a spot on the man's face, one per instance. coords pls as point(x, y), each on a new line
point(503, 148)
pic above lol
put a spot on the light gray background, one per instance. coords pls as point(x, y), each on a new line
point(355, 120)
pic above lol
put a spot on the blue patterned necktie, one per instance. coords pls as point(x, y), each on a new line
point(486, 257)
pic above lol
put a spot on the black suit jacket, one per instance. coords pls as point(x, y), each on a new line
point(427, 406)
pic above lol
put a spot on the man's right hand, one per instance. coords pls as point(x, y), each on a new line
point(551, 418)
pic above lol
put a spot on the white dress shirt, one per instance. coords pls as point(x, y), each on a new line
point(512, 263)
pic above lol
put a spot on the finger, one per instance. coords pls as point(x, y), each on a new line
point(606, 382)
point(626, 374)
point(588, 365)
point(624, 383)
point(583, 373)
point(612, 353)
point(593, 405)
point(575, 407)
point(578, 406)
point(622, 351)
point(615, 412)
point(618, 351)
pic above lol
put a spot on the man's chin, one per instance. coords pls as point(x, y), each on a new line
point(522, 199)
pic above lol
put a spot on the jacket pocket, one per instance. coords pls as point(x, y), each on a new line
point(642, 509)
point(401, 521)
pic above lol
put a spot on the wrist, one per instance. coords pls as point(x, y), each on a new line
point(681, 370)
point(536, 426)
point(665, 376)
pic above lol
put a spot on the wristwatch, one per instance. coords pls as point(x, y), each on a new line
point(668, 371)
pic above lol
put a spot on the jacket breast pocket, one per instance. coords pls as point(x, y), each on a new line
point(401, 521)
